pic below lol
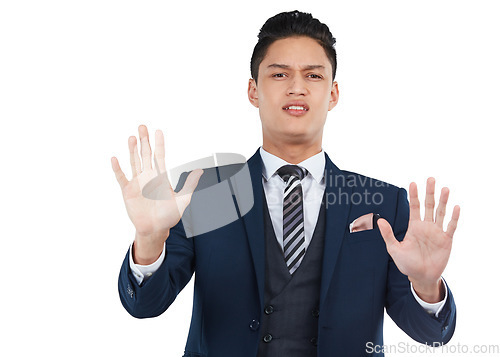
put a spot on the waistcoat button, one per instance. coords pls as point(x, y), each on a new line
point(269, 310)
point(267, 338)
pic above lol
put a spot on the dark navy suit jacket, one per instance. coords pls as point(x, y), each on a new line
point(359, 278)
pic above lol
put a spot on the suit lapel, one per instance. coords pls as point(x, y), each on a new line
point(254, 224)
point(338, 205)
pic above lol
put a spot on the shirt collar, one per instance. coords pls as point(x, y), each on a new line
point(314, 164)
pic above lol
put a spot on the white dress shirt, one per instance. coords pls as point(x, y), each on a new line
point(313, 187)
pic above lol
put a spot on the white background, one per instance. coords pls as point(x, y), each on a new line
point(418, 97)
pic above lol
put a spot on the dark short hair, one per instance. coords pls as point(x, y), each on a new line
point(289, 24)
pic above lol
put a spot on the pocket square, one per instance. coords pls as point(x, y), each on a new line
point(363, 223)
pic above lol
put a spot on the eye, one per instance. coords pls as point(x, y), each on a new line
point(279, 75)
point(315, 76)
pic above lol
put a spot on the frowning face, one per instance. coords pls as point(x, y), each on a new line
point(294, 91)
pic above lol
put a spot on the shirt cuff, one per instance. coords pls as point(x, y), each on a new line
point(351, 225)
point(143, 272)
point(434, 308)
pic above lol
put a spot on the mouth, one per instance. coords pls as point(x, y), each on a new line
point(296, 109)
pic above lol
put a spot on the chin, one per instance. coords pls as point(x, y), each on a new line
point(296, 137)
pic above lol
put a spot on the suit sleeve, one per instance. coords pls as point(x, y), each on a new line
point(155, 295)
point(400, 303)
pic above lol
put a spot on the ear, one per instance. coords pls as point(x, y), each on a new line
point(334, 96)
point(253, 96)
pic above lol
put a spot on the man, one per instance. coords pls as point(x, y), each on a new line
point(310, 268)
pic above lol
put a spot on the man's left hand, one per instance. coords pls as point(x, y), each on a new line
point(423, 253)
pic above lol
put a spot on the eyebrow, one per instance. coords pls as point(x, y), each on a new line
point(304, 68)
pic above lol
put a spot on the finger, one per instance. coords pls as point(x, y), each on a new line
point(183, 197)
point(414, 202)
point(391, 243)
point(441, 209)
point(159, 156)
point(145, 148)
point(452, 226)
point(135, 161)
point(429, 200)
point(120, 176)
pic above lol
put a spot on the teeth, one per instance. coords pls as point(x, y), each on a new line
point(295, 107)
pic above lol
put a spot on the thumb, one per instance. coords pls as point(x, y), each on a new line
point(183, 197)
point(386, 231)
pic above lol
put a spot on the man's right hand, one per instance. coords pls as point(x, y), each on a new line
point(152, 218)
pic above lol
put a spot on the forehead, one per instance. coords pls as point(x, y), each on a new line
point(296, 52)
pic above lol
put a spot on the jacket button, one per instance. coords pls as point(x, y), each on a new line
point(267, 338)
point(315, 312)
point(314, 341)
point(269, 310)
point(254, 325)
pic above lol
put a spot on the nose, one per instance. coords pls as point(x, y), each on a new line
point(297, 86)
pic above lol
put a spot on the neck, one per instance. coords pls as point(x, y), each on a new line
point(292, 153)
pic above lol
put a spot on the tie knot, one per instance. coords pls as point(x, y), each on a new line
point(291, 170)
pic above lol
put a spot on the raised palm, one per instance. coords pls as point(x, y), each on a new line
point(423, 253)
point(152, 216)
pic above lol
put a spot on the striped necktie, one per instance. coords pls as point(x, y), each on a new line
point(294, 243)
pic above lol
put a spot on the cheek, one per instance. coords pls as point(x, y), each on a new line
point(269, 106)
point(270, 94)
point(324, 102)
